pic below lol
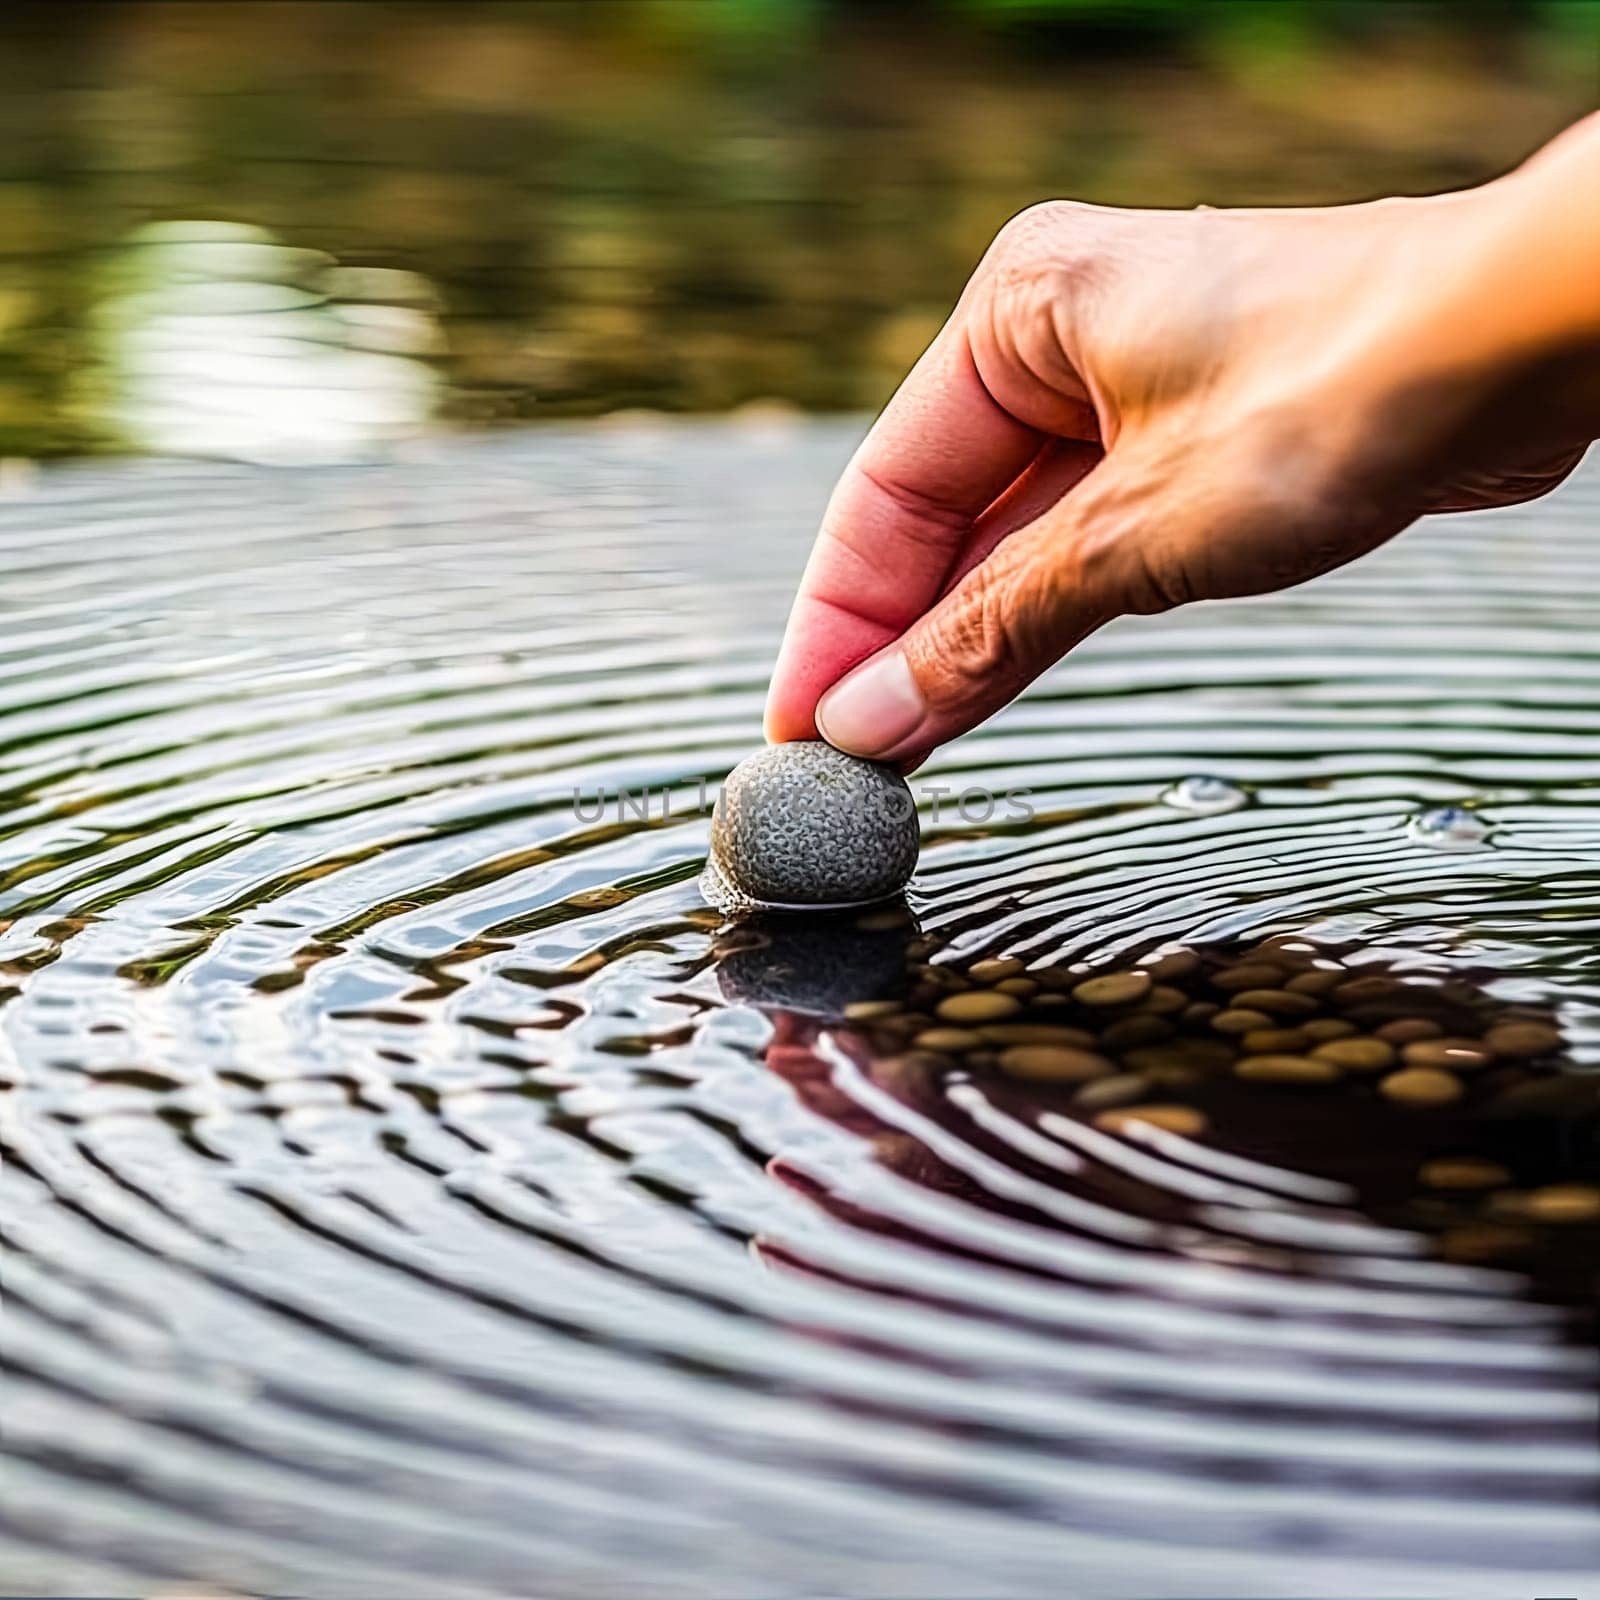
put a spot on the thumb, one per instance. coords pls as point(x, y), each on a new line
point(1041, 591)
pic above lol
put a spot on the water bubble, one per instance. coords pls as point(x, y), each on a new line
point(1449, 828)
point(1205, 796)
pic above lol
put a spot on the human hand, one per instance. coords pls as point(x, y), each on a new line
point(1131, 410)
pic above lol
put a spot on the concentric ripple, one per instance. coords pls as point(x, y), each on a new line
point(412, 1188)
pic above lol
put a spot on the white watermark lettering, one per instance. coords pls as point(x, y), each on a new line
point(975, 804)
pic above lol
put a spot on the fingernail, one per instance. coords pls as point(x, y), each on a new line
point(873, 709)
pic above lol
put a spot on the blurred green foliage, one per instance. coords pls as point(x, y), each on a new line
point(696, 204)
point(1135, 24)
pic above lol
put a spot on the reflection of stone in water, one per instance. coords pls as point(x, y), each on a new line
point(814, 965)
point(216, 339)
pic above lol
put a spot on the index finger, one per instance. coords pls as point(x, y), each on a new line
point(942, 451)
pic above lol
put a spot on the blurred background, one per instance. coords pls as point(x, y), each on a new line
point(287, 229)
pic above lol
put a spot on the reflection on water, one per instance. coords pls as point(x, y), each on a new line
point(681, 206)
point(411, 1186)
point(214, 339)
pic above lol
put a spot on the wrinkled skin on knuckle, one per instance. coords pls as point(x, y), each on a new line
point(968, 641)
point(971, 646)
point(1005, 623)
point(1033, 236)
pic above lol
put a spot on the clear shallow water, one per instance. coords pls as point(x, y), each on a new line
point(410, 1189)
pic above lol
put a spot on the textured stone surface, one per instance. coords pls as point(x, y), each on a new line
point(806, 825)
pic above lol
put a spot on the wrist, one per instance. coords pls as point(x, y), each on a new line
point(1517, 269)
point(1487, 340)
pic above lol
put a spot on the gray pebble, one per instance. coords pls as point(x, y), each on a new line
point(803, 826)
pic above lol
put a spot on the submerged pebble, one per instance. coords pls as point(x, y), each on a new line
point(1523, 1041)
point(1053, 1063)
point(1449, 1055)
point(1314, 982)
point(1421, 1086)
point(1462, 1172)
point(1265, 1035)
point(1113, 989)
point(1188, 1121)
point(1275, 1002)
point(948, 1041)
point(1564, 1203)
point(801, 826)
point(1410, 1030)
point(1174, 966)
point(1356, 1055)
point(870, 1010)
point(1275, 1042)
point(1107, 1094)
point(1247, 975)
point(995, 969)
point(1163, 1000)
point(1287, 1069)
point(1321, 1030)
point(1240, 1020)
point(978, 1005)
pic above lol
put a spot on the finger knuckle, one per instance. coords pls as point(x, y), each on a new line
point(1035, 234)
point(1042, 217)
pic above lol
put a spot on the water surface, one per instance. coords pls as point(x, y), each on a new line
point(411, 1188)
